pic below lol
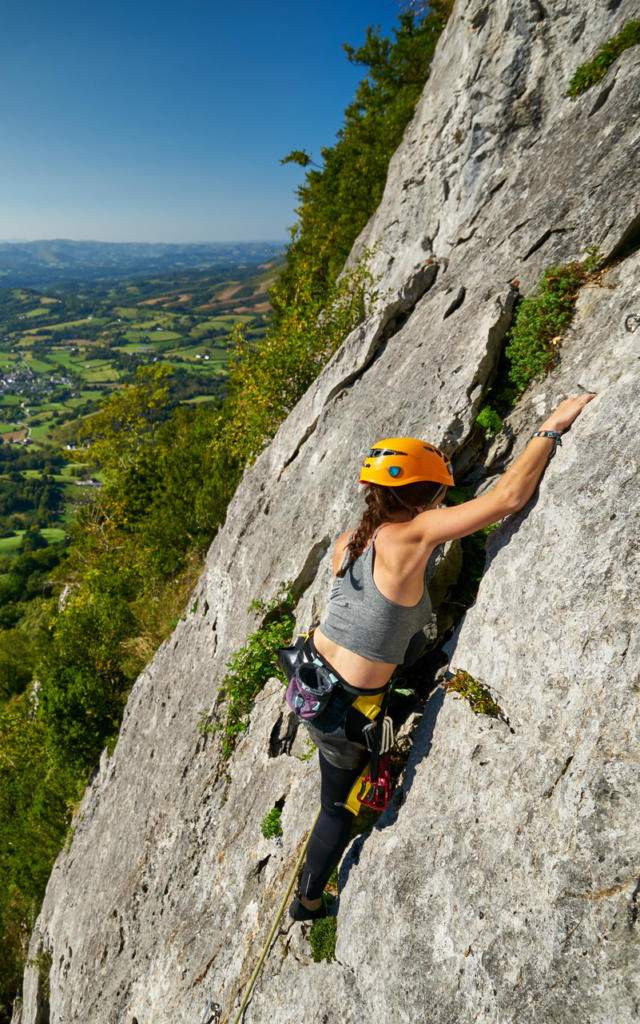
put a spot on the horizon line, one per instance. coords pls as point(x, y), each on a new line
point(101, 241)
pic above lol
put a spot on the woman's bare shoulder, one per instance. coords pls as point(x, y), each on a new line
point(340, 549)
point(343, 540)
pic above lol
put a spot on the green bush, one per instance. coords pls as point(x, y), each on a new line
point(270, 825)
point(252, 666)
point(33, 819)
point(84, 681)
point(489, 422)
point(541, 319)
point(322, 939)
point(478, 696)
point(592, 72)
point(16, 662)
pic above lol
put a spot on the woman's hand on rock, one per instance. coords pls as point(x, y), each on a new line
point(566, 413)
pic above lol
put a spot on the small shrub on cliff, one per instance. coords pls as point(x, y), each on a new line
point(270, 825)
point(477, 695)
point(489, 422)
point(592, 72)
point(541, 320)
point(251, 666)
point(322, 939)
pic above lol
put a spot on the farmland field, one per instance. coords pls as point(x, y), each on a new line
point(10, 545)
point(63, 351)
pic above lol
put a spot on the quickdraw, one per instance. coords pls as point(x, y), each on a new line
point(376, 794)
point(373, 787)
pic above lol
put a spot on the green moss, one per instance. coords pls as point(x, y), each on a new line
point(541, 319)
point(489, 422)
point(465, 687)
point(322, 939)
point(251, 667)
point(270, 825)
point(594, 71)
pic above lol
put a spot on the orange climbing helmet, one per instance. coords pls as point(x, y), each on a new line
point(405, 460)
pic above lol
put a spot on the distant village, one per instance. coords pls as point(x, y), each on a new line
point(32, 387)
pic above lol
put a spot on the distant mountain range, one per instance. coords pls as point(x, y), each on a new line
point(45, 263)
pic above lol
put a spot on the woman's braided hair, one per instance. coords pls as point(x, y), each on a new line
point(382, 504)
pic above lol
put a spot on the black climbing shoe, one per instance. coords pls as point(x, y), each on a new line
point(299, 912)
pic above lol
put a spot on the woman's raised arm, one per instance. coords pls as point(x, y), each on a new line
point(511, 492)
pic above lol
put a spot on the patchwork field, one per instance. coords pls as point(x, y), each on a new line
point(61, 353)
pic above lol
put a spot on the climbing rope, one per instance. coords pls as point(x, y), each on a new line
point(265, 948)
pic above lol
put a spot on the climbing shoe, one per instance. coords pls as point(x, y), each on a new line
point(299, 912)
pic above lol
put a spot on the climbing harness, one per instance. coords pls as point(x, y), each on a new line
point(265, 948)
point(311, 686)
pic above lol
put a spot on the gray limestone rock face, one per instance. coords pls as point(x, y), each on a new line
point(503, 883)
point(515, 856)
point(484, 162)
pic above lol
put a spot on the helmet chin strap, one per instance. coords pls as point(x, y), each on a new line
point(411, 508)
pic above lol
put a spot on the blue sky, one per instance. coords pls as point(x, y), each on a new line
point(141, 121)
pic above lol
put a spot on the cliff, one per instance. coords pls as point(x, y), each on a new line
point(503, 882)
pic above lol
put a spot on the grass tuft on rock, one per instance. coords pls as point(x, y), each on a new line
point(542, 318)
point(477, 695)
point(271, 825)
point(322, 939)
point(594, 70)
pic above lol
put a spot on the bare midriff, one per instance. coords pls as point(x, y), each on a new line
point(353, 668)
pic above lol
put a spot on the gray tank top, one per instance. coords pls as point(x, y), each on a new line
point(364, 621)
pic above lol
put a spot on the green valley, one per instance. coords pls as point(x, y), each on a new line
point(64, 349)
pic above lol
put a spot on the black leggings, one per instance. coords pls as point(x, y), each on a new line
point(332, 830)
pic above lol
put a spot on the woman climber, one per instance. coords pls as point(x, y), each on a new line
point(378, 602)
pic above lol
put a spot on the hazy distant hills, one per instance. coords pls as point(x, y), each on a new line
point(45, 263)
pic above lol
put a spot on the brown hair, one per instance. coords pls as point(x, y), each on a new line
point(382, 504)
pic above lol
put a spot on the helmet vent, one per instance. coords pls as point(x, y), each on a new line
point(377, 453)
